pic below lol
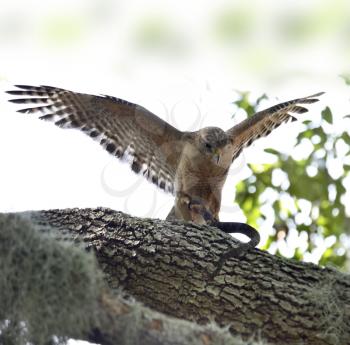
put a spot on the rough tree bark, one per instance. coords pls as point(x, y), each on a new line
point(168, 266)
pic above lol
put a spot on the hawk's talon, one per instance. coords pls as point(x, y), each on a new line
point(198, 207)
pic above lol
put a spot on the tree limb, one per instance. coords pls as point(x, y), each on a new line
point(52, 288)
point(168, 266)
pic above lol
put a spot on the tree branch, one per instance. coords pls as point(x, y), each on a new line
point(50, 287)
point(168, 266)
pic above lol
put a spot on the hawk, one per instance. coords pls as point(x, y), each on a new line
point(193, 166)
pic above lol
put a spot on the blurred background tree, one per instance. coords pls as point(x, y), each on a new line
point(300, 197)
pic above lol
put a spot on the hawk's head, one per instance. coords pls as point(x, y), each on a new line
point(212, 140)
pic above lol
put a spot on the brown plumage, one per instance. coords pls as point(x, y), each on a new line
point(191, 165)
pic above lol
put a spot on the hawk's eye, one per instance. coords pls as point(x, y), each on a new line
point(208, 146)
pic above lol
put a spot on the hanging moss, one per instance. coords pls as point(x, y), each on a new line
point(48, 288)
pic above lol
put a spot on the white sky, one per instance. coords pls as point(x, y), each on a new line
point(47, 167)
point(190, 82)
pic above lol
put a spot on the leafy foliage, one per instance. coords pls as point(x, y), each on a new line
point(301, 198)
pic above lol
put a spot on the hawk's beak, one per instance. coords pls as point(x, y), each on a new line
point(216, 156)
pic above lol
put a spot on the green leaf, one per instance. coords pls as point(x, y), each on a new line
point(243, 103)
point(272, 151)
point(327, 115)
point(307, 122)
point(346, 78)
point(261, 98)
point(346, 137)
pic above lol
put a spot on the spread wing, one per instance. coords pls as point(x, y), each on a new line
point(263, 122)
point(125, 130)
